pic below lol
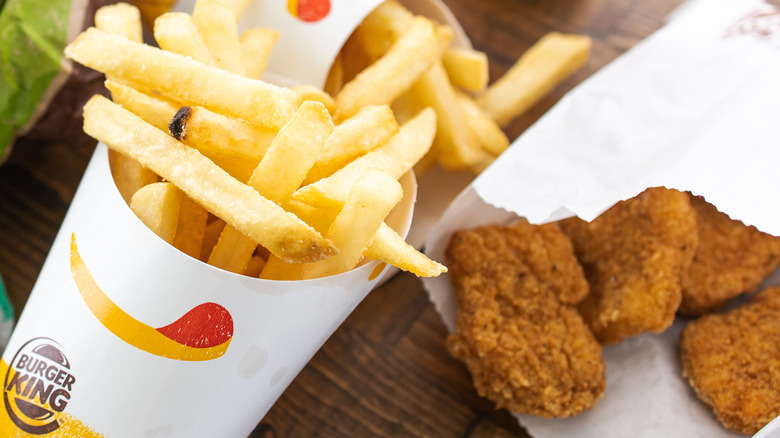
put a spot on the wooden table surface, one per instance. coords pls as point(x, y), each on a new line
point(385, 372)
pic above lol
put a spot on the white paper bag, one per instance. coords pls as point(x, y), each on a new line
point(693, 107)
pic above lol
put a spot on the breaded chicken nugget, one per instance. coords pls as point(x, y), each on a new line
point(731, 259)
point(732, 361)
point(634, 256)
point(517, 329)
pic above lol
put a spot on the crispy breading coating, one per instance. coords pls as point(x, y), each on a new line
point(635, 255)
point(517, 329)
point(732, 361)
point(731, 259)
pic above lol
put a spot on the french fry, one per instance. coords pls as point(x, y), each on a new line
point(372, 126)
point(157, 111)
point(370, 199)
point(129, 176)
point(214, 227)
point(124, 20)
point(488, 133)
point(242, 207)
point(254, 267)
point(190, 228)
point(277, 269)
point(379, 84)
point(354, 60)
point(216, 135)
point(308, 92)
point(293, 152)
point(395, 157)
point(386, 245)
point(184, 79)
point(218, 27)
point(237, 168)
point(256, 45)
point(466, 68)
point(233, 251)
point(455, 144)
point(385, 24)
point(120, 19)
point(335, 79)
point(389, 247)
point(278, 175)
point(157, 205)
point(547, 63)
point(176, 32)
point(151, 9)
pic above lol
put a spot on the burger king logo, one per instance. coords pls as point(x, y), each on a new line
point(37, 386)
point(309, 11)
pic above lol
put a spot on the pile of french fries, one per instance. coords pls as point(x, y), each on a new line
point(291, 183)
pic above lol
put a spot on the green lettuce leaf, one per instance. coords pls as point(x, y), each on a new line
point(33, 34)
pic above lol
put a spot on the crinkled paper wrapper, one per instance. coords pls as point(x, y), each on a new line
point(693, 107)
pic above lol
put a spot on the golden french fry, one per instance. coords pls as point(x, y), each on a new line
point(389, 247)
point(157, 205)
point(278, 175)
point(191, 227)
point(218, 136)
point(406, 107)
point(319, 218)
point(233, 251)
point(176, 32)
point(236, 167)
point(255, 266)
point(384, 24)
point(124, 20)
point(184, 79)
point(129, 176)
point(370, 199)
point(372, 126)
point(354, 60)
point(379, 84)
point(386, 245)
point(277, 269)
point(335, 79)
point(488, 133)
point(455, 145)
point(218, 27)
point(395, 157)
point(293, 152)
point(120, 19)
point(466, 68)
point(242, 207)
point(308, 92)
point(214, 227)
point(425, 163)
point(157, 111)
point(151, 9)
point(256, 45)
point(547, 63)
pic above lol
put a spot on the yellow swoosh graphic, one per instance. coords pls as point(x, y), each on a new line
point(129, 329)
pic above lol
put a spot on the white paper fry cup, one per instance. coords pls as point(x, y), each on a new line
point(125, 336)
